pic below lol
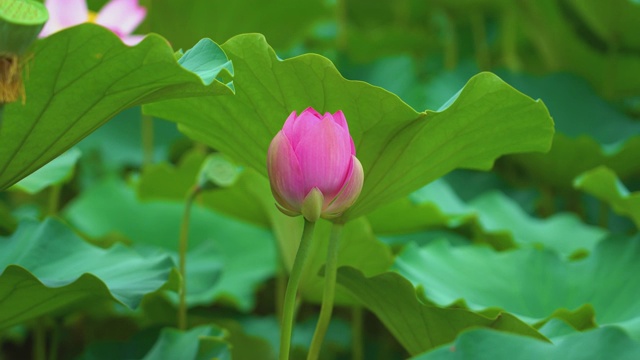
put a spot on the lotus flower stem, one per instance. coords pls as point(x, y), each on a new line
point(184, 244)
point(603, 214)
point(40, 340)
point(54, 199)
point(481, 47)
point(281, 287)
point(357, 349)
point(328, 295)
point(292, 289)
point(147, 140)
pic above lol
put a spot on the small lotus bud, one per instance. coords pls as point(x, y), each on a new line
point(312, 166)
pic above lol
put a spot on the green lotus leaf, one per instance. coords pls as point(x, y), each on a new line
point(400, 149)
point(58, 171)
point(494, 218)
point(80, 78)
point(603, 183)
point(416, 325)
point(48, 268)
point(608, 342)
point(533, 284)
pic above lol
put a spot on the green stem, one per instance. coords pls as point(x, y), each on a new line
point(509, 24)
point(292, 289)
point(281, 286)
point(603, 215)
point(184, 244)
point(342, 23)
point(612, 56)
point(610, 74)
point(331, 269)
point(480, 40)
point(547, 202)
point(147, 140)
point(55, 341)
point(1, 115)
point(357, 349)
point(54, 199)
point(451, 43)
point(40, 341)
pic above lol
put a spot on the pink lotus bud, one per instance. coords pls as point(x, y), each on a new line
point(312, 166)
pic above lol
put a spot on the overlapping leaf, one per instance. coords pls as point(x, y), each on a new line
point(532, 284)
point(199, 343)
point(493, 216)
point(399, 148)
point(80, 78)
point(605, 185)
point(56, 172)
point(418, 326)
point(46, 267)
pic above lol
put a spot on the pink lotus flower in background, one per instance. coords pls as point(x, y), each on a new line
point(312, 166)
point(120, 16)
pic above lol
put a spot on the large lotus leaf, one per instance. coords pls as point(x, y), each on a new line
point(532, 284)
point(47, 267)
point(400, 149)
point(80, 78)
point(416, 325)
point(605, 343)
point(58, 171)
point(245, 253)
point(184, 23)
point(589, 133)
point(199, 343)
point(605, 185)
